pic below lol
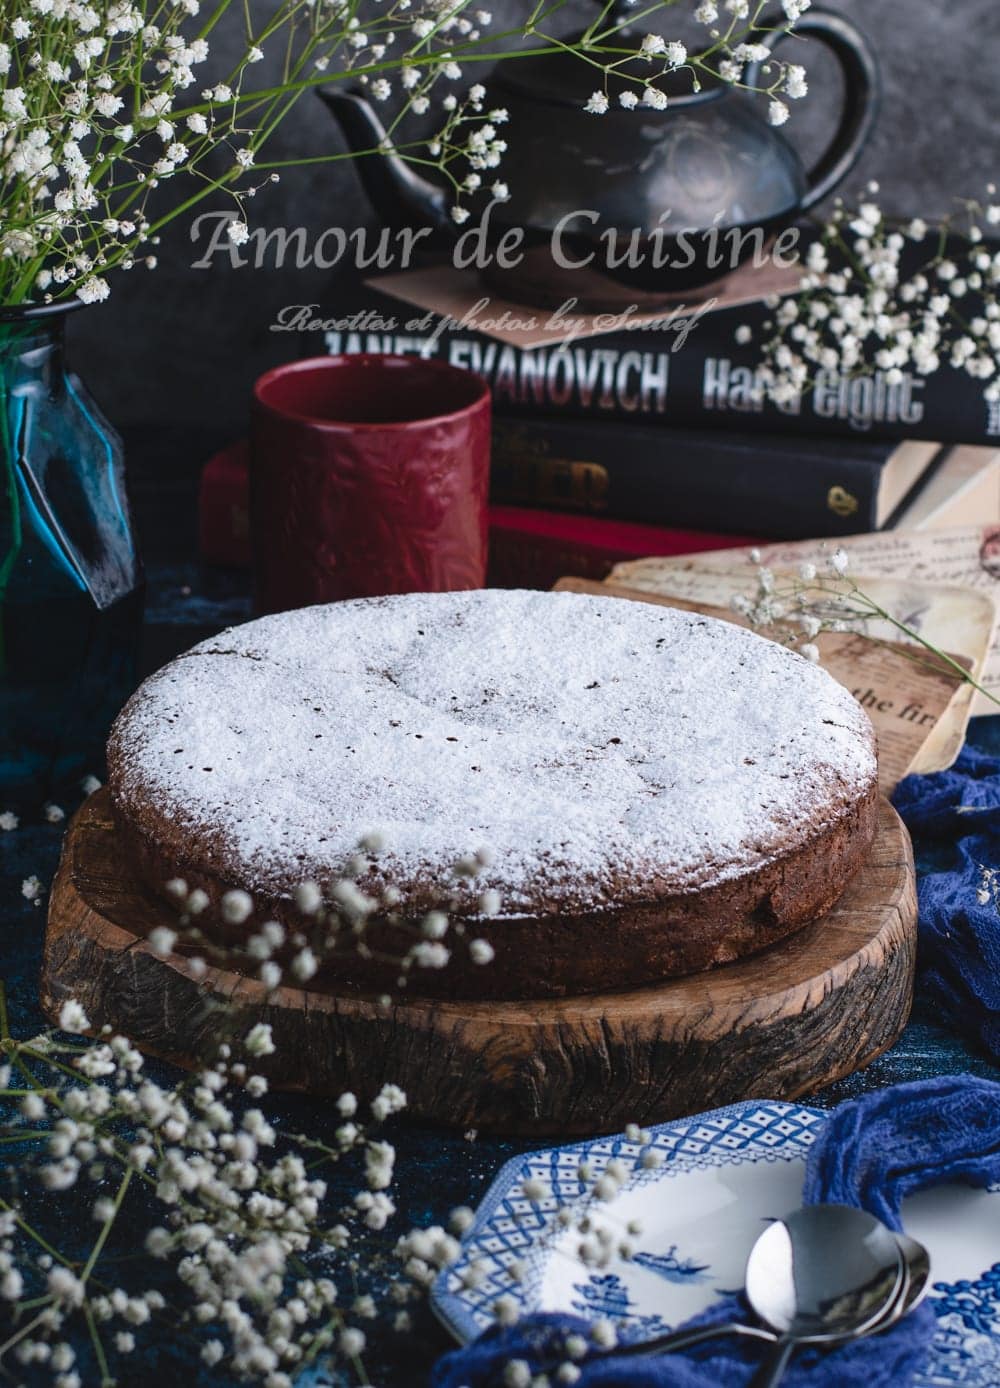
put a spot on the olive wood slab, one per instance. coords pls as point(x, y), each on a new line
point(819, 1005)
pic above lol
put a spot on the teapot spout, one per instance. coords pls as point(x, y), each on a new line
point(398, 194)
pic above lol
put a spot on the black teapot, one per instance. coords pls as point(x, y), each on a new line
point(633, 206)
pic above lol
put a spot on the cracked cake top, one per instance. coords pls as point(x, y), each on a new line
point(603, 752)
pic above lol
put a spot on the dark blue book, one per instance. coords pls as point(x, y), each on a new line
point(698, 479)
point(636, 377)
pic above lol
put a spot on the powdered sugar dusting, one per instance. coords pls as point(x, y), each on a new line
point(606, 751)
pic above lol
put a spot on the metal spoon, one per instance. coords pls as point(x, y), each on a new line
point(918, 1277)
point(822, 1273)
point(912, 1289)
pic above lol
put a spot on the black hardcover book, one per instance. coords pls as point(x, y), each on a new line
point(706, 479)
point(636, 376)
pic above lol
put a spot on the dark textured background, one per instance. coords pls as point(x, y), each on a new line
point(184, 345)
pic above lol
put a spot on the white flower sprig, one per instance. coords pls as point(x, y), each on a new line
point(590, 1231)
point(246, 1254)
point(822, 596)
point(353, 918)
point(101, 104)
point(734, 30)
point(868, 302)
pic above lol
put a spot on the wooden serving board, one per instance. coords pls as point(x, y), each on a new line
point(821, 1004)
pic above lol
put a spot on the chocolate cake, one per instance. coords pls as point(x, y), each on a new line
point(652, 792)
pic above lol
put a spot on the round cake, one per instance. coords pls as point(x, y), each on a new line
point(649, 792)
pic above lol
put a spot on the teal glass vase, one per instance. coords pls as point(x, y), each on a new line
point(71, 587)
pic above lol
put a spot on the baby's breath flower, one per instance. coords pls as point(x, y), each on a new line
point(259, 1041)
point(33, 1105)
point(270, 975)
point(304, 965)
point(796, 85)
point(308, 898)
point(434, 925)
point(64, 1287)
point(506, 1310)
point(352, 1342)
point(863, 309)
point(603, 1334)
point(72, 1017)
point(390, 1099)
point(461, 1219)
point(93, 291)
point(430, 954)
point(162, 940)
point(236, 905)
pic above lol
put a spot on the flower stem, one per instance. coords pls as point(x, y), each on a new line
point(914, 635)
point(102, 1237)
point(99, 1354)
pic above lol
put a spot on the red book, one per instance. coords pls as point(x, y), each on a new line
point(534, 549)
point(528, 548)
point(224, 508)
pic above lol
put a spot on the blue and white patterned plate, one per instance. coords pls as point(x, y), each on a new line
point(723, 1174)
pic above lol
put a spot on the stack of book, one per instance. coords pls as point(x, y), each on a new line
point(572, 492)
point(649, 440)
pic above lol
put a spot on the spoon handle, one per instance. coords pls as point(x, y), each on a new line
point(682, 1339)
point(773, 1367)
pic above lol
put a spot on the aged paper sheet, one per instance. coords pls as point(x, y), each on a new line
point(916, 562)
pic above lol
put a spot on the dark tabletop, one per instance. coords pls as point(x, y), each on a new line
point(436, 1170)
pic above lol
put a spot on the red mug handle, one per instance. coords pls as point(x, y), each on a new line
point(862, 94)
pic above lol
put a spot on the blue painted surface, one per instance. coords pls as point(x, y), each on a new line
point(437, 1170)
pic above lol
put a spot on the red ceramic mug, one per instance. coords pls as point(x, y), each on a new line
point(369, 474)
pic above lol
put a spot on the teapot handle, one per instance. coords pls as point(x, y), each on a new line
point(862, 95)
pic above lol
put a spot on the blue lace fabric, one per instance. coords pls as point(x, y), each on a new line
point(872, 1152)
point(956, 816)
